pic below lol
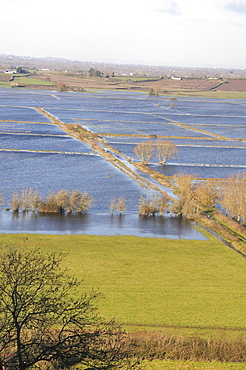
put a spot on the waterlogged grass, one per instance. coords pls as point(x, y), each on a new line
point(190, 365)
point(189, 287)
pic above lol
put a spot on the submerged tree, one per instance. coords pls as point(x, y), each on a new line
point(44, 320)
point(50, 204)
point(121, 205)
point(15, 201)
point(113, 205)
point(62, 199)
point(26, 199)
point(34, 199)
point(80, 202)
point(149, 207)
point(144, 151)
point(165, 149)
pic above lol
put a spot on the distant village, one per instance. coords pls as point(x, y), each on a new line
point(9, 65)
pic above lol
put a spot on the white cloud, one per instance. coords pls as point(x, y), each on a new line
point(196, 32)
point(238, 6)
point(168, 6)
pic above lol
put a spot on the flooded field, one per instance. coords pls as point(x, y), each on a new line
point(210, 135)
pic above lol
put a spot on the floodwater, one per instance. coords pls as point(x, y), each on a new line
point(94, 223)
point(210, 135)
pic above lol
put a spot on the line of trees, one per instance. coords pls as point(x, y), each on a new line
point(233, 197)
point(164, 149)
point(60, 202)
point(192, 197)
point(151, 207)
point(63, 201)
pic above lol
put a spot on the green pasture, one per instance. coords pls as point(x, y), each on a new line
point(22, 80)
point(190, 365)
point(4, 84)
point(186, 287)
point(32, 81)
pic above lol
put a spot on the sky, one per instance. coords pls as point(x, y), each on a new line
point(185, 33)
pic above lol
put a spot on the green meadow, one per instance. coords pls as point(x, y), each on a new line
point(32, 81)
point(180, 287)
point(191, 365)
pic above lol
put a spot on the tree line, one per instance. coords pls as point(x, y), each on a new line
point(62, 201)
point(192, 197)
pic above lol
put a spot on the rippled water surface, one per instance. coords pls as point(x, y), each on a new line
point(210, 135)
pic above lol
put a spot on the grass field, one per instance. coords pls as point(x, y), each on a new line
point(181, 365)
point(22, 80)
point(32, 81)
point(181, 287)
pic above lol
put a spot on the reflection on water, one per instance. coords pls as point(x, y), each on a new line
point(99, 224)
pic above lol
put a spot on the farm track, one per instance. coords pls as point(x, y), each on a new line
point(118, 159)
point(240, 238)
point(97, 147)
point(103, 151)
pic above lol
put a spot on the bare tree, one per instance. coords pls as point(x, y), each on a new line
point(163, 203)
point(186, 203)
point(50, 204)
point(144, 151)
point(41, 321)
point(25, 199)
point(165, 149)
point(233, 197)
point(149, 207)
point(143, 206)
point(112, 205)
point(207, 194)
point(62, 199)
point(15, 201)
point(80, 202)
point(34, 199)
point(121, 205)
